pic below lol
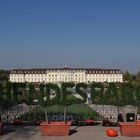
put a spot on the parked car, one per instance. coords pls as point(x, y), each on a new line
point(89, 122)
point(107, 122)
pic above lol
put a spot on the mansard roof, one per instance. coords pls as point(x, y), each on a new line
point(45, 70)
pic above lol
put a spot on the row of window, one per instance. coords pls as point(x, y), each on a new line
point(65, 79)
point(34, 76)
point(104, 79)
point(50, 79)
point(70, 75)
point(104, 72)
point(105, 75)
point(66, 70)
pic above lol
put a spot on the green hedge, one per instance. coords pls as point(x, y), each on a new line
point(101, 93)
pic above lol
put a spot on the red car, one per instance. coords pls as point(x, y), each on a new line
point(89, 122)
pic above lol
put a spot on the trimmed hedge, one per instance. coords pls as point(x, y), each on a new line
point(101, 93)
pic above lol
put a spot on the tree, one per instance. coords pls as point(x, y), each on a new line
point(127, 77)
point(4, 75)
point(31, 94)
point(138, 77)
point(79, 89)
point(47, 90)
point(64, 100)
point(97, 93)
point(137, 94)
point(111, 95)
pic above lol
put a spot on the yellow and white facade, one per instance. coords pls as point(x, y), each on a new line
point(76, 75)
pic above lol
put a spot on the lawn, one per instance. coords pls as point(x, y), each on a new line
point(81, 110)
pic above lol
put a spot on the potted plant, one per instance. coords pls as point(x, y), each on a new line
point(56, 128)
point(130, 129)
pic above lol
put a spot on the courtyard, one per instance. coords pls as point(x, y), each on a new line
point(77, 133)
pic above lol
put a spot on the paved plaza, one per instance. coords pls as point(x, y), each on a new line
point(78, 133)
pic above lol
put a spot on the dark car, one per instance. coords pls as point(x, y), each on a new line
point(106, 122)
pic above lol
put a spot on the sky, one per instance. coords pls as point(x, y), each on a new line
point(77, 33)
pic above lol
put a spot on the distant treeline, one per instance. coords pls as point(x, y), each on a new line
point(4, 75)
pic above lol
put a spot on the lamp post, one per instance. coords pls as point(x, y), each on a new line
point(136, 110)
point(119, 115)
point(46, 114)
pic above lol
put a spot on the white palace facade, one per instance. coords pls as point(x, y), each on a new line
point(76, 75)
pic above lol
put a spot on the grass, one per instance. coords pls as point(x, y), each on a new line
point(81, 110)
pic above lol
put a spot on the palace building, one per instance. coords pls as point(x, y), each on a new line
point(59, 75)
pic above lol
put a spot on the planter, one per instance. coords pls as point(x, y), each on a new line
point(130, 129)
point(137, 122)
point(55, 128)
point(1, 128)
